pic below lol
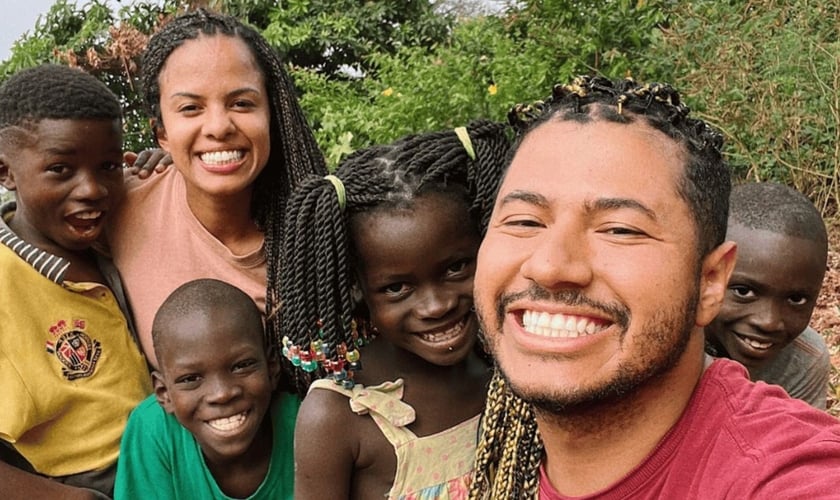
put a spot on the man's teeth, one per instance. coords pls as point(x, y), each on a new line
point(221, 157)
point(444, 335)
point(558, 325)
point(94, 214)
point(228, 423)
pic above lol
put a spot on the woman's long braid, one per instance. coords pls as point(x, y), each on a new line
point(510, 450)
point(317, 279)
point(294, 151)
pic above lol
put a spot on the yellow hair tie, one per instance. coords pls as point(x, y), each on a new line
point(462, 134)
point(339, 190)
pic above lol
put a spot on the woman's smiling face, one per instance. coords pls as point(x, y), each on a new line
point(215, 113)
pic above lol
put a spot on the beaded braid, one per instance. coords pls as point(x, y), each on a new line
point(510, 450)
point(319, 316)
point(294, 152)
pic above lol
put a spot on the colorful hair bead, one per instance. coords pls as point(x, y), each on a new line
point(340, 363)
point(352, 356)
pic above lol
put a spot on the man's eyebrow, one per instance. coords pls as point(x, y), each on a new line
point(603, 204)
point(528, 197)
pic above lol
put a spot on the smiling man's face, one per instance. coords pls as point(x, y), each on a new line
point(587, 280)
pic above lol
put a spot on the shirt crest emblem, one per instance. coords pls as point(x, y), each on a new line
point(74, 349)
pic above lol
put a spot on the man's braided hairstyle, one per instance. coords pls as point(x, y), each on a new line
point(294, 152)
point(55, 92)
point(317, 276)
point(510, 449)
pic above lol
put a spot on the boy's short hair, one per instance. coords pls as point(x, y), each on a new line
point(204, 295)
point(778, 208)
point(55, 92)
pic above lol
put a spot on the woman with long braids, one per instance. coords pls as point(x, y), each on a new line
point(224, 108)
point(379, 260)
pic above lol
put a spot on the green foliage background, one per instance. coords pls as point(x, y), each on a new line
point(766, 72)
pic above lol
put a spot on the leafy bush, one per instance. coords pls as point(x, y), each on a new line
point(766, 72)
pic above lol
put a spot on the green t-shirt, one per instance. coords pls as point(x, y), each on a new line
point(161, 459)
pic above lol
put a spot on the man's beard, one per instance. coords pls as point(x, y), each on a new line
point(658, 345)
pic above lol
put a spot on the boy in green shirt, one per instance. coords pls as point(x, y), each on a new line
point(212, 429)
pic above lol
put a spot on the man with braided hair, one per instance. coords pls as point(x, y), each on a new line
point(603, 261)
point(224, 108)
point(70, 371)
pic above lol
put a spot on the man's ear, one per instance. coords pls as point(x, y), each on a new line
point(7, 179)
point(714, 280)
point(161, 392)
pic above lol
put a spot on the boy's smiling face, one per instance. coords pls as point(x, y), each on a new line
point(771, 294)
point(217, 380)
point(68, 178)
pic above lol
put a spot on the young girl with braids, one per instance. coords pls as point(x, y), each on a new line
point(378, 271)
point(224, 108)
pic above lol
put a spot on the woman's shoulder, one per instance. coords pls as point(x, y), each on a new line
point(158, 185)
point(146, 206)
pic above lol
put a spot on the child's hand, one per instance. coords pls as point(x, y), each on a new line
point(142, 165)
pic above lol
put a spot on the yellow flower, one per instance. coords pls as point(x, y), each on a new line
point(387, 92)
point(492, 89)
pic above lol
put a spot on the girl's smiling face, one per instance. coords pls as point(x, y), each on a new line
point(415, 268)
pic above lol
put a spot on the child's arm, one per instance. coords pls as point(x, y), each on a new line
point(325, 447)
point(15, 482)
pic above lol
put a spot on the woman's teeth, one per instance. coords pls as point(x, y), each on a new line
point(221, 157)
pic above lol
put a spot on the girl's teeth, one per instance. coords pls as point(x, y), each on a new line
point(758, 345)
point(444, 335)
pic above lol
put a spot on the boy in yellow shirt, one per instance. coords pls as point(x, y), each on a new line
point(70, 371)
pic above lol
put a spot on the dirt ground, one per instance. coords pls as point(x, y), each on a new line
point(826, 318)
